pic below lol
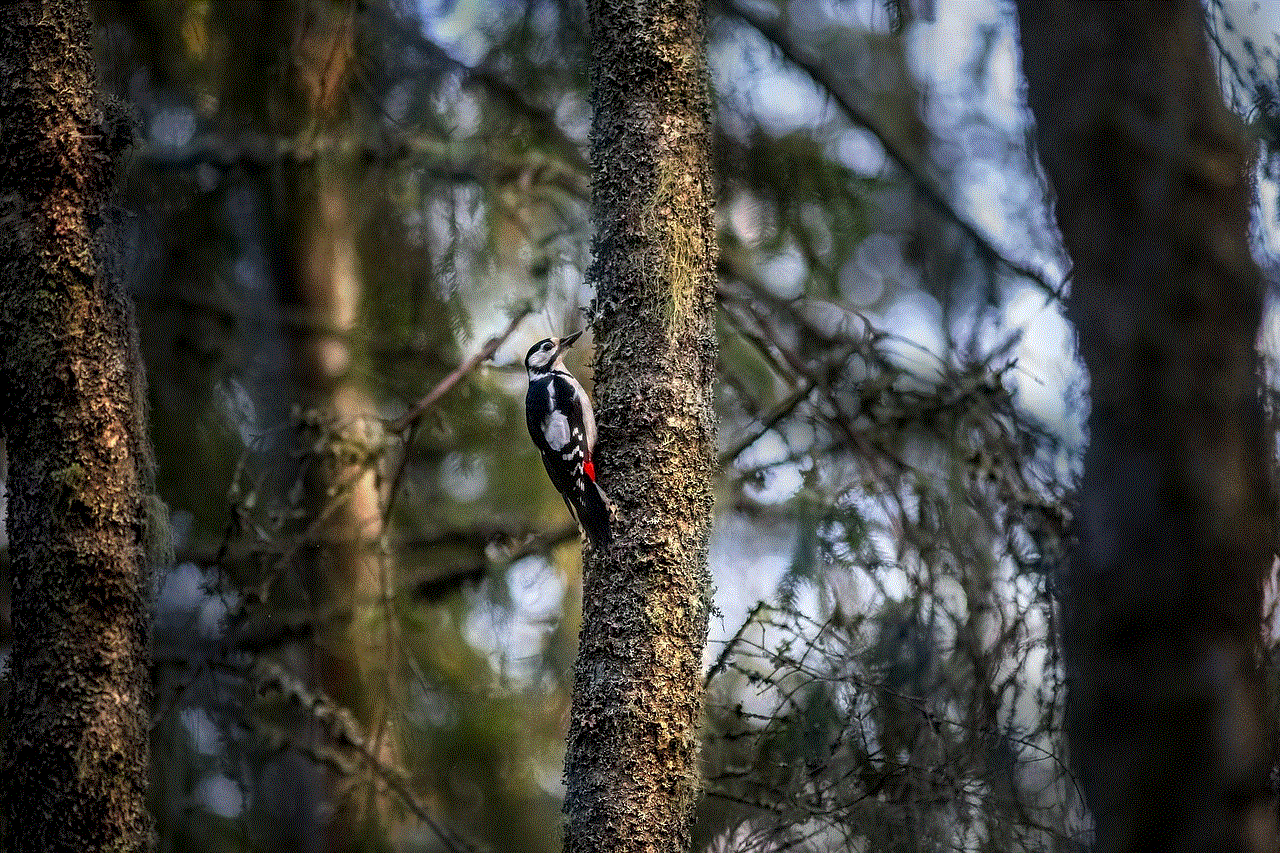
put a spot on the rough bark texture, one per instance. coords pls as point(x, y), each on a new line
point(632, 764)
point(1176, 515)
point(74, 766)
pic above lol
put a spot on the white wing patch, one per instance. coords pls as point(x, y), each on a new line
point(556, 430)
point(588, 417)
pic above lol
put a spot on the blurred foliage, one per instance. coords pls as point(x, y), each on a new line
point(891, 505)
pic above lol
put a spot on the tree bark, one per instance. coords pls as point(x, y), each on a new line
point(1175, 522)
point(632, 762)
point(73, 771)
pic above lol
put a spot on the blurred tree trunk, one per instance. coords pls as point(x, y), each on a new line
point(347, 578)
point(1176, 517)
point(74, 768)
point(632, 764)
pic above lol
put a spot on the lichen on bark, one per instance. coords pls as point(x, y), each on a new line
point(632, 762)
point(73, 765)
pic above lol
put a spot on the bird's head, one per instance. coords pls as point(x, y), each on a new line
point(546, 355)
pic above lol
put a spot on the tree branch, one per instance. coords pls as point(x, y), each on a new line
point(778, 35)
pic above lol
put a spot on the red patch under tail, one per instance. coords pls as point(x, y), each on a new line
point(590, 468)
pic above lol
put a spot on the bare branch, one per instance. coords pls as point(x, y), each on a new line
point(343, 729)
point(410, 418)
point(795, 53)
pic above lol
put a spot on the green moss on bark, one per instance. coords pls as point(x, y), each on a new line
point(73, 768)
point(632, 763)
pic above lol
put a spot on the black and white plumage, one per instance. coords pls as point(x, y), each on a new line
point(563, 426)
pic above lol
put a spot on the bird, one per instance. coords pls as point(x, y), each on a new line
point(563, 427)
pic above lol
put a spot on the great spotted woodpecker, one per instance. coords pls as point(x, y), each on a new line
point(563, 427)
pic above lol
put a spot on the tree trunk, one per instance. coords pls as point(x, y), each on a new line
point(74, 767)
point(348, 580)
point(1176, 514)
point(632, 763)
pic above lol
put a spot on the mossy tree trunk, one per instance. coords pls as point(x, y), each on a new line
point(632, 764)
point(1176, 519)
point(73, 771)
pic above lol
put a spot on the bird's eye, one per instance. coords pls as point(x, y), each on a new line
point(547, 345)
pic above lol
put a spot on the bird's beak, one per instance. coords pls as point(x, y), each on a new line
point(567, 342)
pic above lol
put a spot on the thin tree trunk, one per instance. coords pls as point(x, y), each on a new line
point(1176, 518)
point(349, 580)
point(74, 767)
point(346, 577)
point(632, 763)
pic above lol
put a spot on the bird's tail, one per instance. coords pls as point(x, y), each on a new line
point(594, 514)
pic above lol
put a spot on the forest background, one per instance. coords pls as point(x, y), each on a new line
point(342, 225)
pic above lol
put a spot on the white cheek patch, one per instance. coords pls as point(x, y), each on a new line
point(556, 430)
